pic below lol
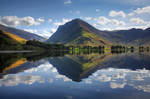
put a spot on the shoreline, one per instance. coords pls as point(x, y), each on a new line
point(23, 51)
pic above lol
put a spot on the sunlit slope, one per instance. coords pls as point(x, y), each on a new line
point(15, 37)
point(9, 41)
point(21, 33)
point(89, 38)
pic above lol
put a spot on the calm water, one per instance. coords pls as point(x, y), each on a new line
point(94, 76)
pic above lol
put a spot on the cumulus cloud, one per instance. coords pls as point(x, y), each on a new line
point(138, 21)
point(88, 18)
point(117, 85)
point(119, 78)
point(103, 21)
point(65, 79)
point(43, 68)
point(50, 20)
point(20, 21)
point(46, 33)
point(103, 78)
point(64, 20)
point(140, 11)
point(143, 10)
point(67, 2)
point(115, 13)
point(40, 20)
point(14, 80)
point(117, 23)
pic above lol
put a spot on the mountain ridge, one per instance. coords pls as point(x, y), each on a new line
point(21, 33)
point(71, 34)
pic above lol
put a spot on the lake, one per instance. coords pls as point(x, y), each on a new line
point(83, 76)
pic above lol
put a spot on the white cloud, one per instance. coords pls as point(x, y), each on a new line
point(137, 77)
point(14, 80)
point(138, 21)
point(44, 32)
point(50, 20)
point(114, 85)
point(41, 20)
point(65, 79)
point(17, 21)
point(88, 18)
point(118, 78)
point(103, 78)
point(102, 20)
point(43, 68)
point(115, 13)
point(64, 20)
point(117, 23)
point(144, 10)
point(67, 2)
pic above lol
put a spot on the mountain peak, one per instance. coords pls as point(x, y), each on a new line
point(77, 20)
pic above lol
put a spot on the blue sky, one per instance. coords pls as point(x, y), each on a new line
point(44, 16)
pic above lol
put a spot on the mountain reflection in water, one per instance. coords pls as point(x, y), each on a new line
point(105, 73)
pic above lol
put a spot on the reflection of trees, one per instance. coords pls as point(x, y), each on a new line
point(75, 66)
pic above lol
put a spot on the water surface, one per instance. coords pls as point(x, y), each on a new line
point(93, 76)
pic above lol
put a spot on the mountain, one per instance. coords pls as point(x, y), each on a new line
point(21, 33)
point(10, 41)
point(78, 32)
point(131, 36)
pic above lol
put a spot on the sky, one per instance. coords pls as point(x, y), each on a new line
point(43, 17)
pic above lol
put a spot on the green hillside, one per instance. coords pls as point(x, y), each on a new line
point(9, 42)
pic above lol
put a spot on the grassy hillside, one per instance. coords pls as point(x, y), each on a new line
point(15, 37)
point(89, 38)
point(8, 41)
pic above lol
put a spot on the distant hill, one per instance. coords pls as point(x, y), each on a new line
point(132, 36)
point(78, 32)
point(10, 41)
point(21, 33)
